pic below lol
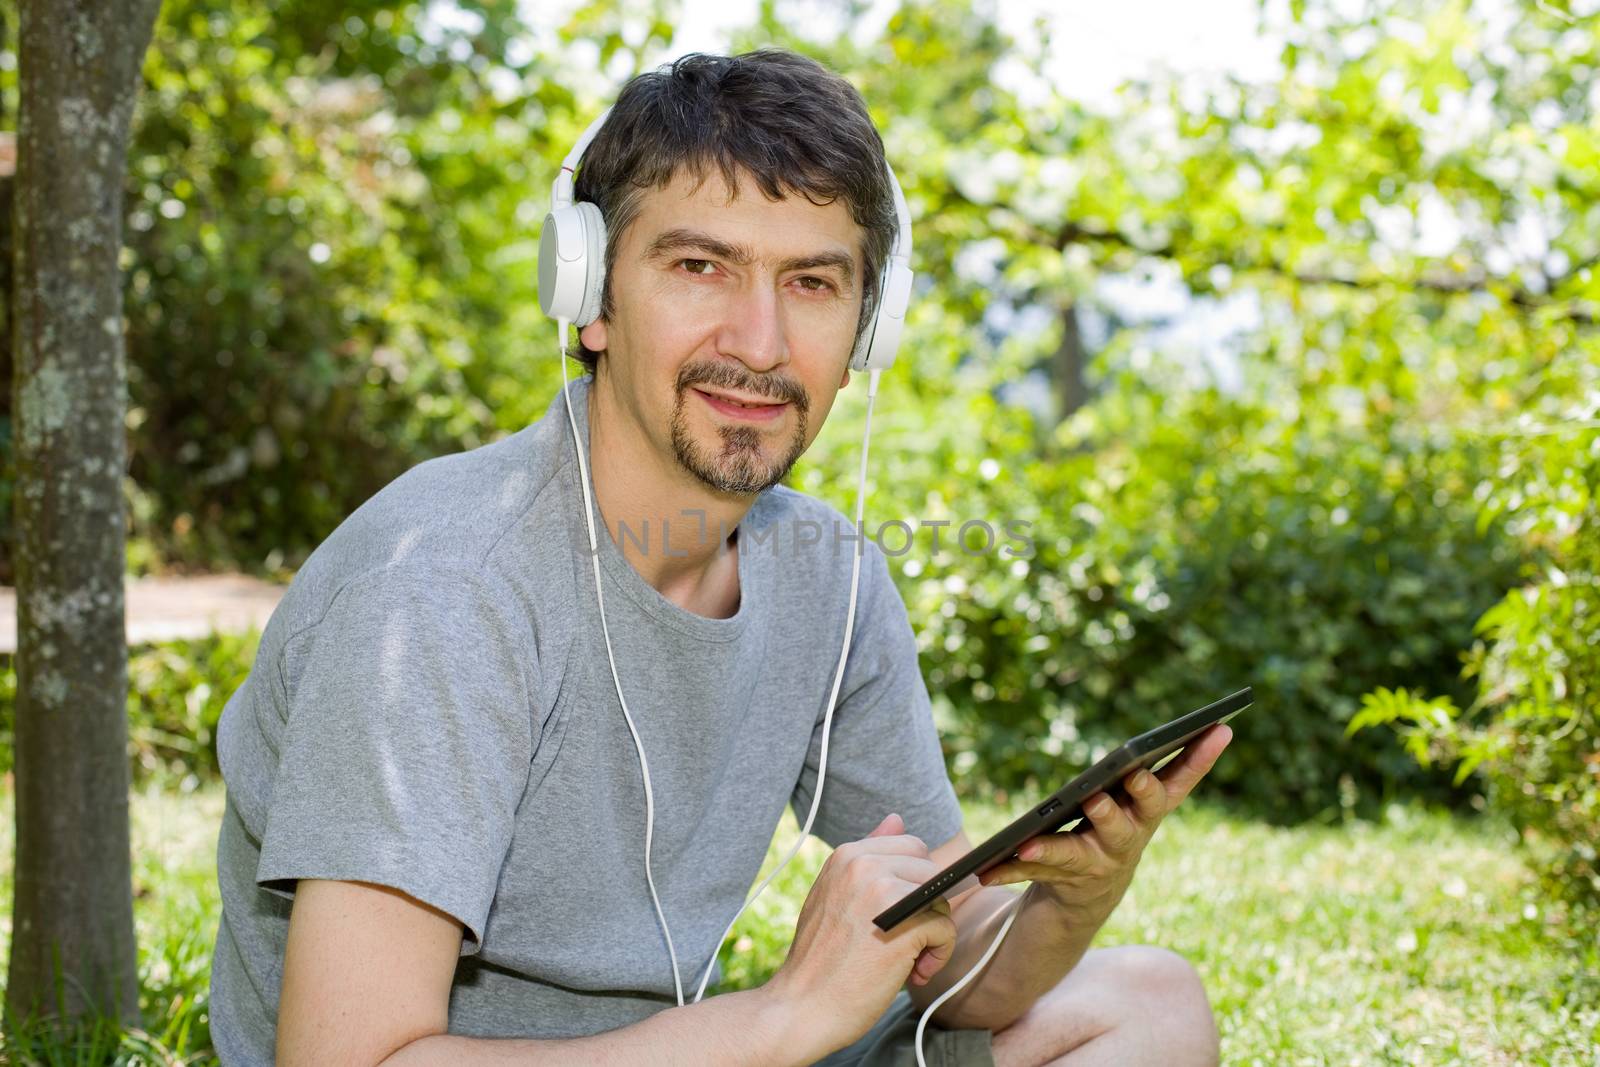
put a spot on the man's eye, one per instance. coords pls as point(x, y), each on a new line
point(698, 266)
point(815, 284)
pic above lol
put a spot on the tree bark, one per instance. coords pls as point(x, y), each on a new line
point(7, 476)
point(72, 947)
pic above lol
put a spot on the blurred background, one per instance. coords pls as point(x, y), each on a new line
point(1276, 321)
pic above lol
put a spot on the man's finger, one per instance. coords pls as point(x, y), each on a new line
point(891, 825)
point(929, 961)
point(1117, 832)
point(933, 958)
point(897, 845)
point(1012, 873)
point(1184, 773)
point(1150, 797)
point(999, 874)
point(939, 931)
point(891, 837)
point(910, 869)
point(1069, 852)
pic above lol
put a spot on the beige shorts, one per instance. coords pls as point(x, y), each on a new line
point(892, 1042)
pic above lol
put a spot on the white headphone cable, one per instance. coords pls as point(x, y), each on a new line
point(838, 677)
point(827, 723)
point(988, 954)
point(644, 765)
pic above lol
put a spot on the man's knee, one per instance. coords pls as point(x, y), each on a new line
point(1150, 1006)
point(1168, 988)
point(1142, 1003)
point(1160, 973)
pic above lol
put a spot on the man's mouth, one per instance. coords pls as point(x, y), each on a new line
point(743, 407)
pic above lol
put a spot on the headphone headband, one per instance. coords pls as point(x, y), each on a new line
point(572, 261)
point(561, 188)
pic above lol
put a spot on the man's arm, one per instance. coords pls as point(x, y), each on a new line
point(367, 975)
point(1078, 881)
point(366, 980)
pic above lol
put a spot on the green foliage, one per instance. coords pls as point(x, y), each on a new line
point(1532, 731)
point(1185, 546)
point(176, 693)
point(332, 231)
point(1313, 530)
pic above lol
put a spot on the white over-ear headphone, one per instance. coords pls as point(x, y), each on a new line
point(572, 264)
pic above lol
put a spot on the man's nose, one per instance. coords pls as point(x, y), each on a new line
point(753, 329)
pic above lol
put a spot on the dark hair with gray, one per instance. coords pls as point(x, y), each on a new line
point(784, 119)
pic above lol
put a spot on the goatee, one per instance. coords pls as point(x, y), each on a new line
point(739, 465)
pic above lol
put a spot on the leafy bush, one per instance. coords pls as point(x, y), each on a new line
point(176, 692)
point(1187, 544)
point(1314, 532)
point(330, 269)
point(1532, 730)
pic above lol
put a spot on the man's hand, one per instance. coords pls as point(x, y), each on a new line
point(1087, 873)
point(842, 971)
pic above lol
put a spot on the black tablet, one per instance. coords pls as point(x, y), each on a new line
point(1148, 750)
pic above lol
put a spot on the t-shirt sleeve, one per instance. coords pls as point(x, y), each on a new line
point(408, 741)
point(883, 749)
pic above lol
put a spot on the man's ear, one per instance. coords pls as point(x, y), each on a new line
point(593, 335)
point(846, 379)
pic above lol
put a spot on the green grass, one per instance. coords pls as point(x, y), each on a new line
point(175, 910)
point(1420, 940)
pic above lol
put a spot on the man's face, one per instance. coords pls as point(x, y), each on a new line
point(733, 320)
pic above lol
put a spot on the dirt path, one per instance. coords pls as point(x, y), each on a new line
point(170, 609)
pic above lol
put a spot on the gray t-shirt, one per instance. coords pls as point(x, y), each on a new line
point(432, 709)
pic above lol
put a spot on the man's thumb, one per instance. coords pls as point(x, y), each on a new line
point(892, 824)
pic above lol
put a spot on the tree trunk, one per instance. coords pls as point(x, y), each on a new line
point(72, 947)
point(7, 476)
point(1067, 364)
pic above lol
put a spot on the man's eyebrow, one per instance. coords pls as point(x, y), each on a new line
point(681, 240)
point(840, 261)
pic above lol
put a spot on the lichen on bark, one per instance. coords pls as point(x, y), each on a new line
point(44, 404)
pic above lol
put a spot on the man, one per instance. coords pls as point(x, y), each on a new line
point(432, 851)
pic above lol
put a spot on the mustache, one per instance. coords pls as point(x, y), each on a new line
point(728, 376)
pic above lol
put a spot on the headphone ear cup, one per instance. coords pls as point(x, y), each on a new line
point(880, 341)
point(594, 262)
point(572, 263)
point(561, 267)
